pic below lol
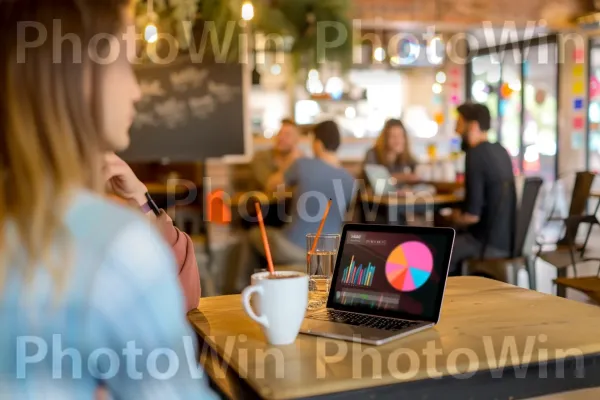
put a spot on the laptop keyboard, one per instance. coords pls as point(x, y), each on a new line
point(388, 324)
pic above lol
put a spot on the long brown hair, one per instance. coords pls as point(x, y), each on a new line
point(50, 125)
point(381, 145)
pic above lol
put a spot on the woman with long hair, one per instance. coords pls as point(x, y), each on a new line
point(88, 288)
point(392, 150)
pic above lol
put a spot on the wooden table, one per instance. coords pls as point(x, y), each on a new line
point(461, 358)
point(583, 394)
point(396, 209)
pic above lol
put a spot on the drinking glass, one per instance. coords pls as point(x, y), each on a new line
point(320, 263)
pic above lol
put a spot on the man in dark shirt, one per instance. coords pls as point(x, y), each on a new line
point(488, 216)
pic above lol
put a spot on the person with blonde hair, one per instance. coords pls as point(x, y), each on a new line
point(89, 296)
point(392, 150)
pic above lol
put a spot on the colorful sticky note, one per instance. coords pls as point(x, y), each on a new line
point(578, 70)
point(454, 114)
point(578, 122)
point(454, 99)
point(579, 55)
point(577, 140)
point(455, 71)
point(578, 103)
point(578, 88)
point(502, 107)
point(439, 118)
point(454, 85)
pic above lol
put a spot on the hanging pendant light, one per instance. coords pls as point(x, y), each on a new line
point(151, 31)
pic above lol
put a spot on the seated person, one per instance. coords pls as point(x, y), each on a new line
point(316, 180)
point(392, 150)
point(78, 273)
point(122, 182)
point(490, 196)
point(269, 165)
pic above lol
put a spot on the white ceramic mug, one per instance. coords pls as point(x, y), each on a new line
point(279, 304)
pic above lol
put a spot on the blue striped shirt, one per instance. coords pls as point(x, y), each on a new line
point(119, 322)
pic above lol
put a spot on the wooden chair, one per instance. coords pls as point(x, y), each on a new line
point(590, 285)
point(568, 252)
point(507, 269)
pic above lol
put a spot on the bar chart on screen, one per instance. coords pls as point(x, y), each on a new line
point(358, 275)
point(373, 300)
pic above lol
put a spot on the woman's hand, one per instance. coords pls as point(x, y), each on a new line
point(121, 180)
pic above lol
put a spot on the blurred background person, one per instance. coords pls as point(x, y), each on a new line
point(392, 150)
point(488, 214)
point(73, 264)
point(269, 165)
point(315, 180)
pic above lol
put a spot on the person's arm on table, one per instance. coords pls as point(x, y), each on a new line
point(408, 175)
point(122, 182)
point(281, 176)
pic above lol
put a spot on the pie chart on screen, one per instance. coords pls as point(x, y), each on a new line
point(409, 266)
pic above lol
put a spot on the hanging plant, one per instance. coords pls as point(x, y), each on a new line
point(319, 24)
point(173, 17)
point(308, 24)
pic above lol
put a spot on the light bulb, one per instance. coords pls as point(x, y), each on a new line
point(379, 54)
point(478, 91)
point(350, 112)
point(440, 77)
point(436, 88)
point(276, 69)
point(247, 11)
point(432, 51)
point(515, 85)
point(335, 87)
point(151, 33)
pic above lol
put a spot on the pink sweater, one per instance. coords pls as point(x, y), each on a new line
point(183, 249)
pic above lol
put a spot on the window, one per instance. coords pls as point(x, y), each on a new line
point(518, 83)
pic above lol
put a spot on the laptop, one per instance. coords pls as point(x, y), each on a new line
point(380, 179)
point(388, 283)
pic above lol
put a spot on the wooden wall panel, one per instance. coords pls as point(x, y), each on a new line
point(469, 12)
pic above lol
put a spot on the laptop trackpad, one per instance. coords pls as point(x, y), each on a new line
point(344, 330)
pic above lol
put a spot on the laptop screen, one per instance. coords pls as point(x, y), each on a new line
point(398, 274)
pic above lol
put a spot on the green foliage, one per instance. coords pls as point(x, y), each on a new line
point(320, 30)
point(171, 16)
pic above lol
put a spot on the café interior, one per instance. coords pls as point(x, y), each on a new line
point(210, 122)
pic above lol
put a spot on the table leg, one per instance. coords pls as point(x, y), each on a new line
point(531, 272)
point(589, 232)
point(561, 291)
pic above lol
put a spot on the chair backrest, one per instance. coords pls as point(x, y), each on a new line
point(581, 192)
point(579, 198)
point(524, 215)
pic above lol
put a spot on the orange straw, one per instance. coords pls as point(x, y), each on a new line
point(314, 246)
point(263, 232)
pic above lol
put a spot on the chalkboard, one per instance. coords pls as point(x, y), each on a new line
point(188, 112)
